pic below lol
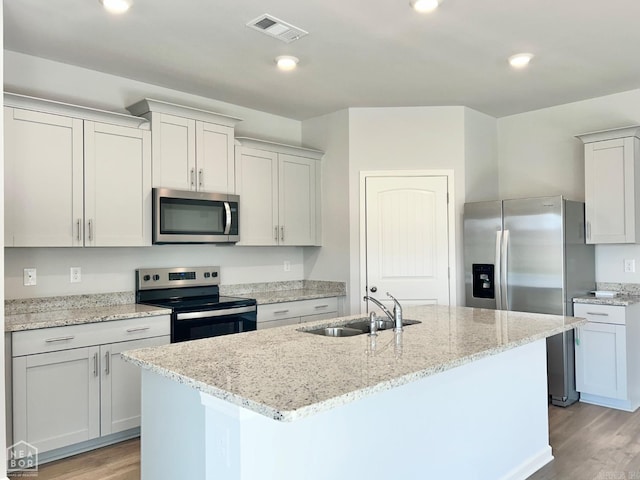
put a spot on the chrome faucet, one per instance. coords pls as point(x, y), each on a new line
point(396, 316)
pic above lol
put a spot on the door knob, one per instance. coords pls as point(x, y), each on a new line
point(373, 289)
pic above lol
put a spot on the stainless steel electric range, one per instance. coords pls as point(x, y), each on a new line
point(193, 295)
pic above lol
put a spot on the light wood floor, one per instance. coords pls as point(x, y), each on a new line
point(589, 443)
point(115, 462)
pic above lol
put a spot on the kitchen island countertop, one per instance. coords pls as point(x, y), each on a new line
point(287, 374)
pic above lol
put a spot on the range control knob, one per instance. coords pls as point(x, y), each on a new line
point(156, 277)
point(146, 278)
point(207, 274)
point(214, 274)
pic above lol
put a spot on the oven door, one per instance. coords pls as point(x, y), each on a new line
point(212, 323)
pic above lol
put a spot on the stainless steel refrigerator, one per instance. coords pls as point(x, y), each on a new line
point(530, 255)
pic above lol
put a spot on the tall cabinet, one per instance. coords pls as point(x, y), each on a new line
point(612, 185)
point(75, 176)
point(192, 148)
point(279, 188)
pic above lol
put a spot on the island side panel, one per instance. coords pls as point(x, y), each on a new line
point(172, 430)
point(483, 420)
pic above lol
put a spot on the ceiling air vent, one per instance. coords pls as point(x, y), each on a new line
point(277, 28)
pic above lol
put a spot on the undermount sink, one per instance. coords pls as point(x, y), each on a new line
point(357, 326)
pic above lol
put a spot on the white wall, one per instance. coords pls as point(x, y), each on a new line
point(539, 155)
point(38, 77)
point(112, 269)
point(481, 157)
point(3, 426)
point(414, 138)
point(330, 133)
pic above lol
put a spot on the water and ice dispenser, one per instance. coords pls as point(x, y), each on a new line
point(483, 280)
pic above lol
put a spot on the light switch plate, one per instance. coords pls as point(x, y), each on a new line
point(29, 277)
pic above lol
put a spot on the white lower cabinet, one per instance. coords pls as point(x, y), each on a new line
point(290, 313)
point(79, 388)
point(607, 362)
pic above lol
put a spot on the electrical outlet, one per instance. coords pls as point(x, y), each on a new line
point(75, 274)
point(630, 266)
point(29, 277)
point(287, 266)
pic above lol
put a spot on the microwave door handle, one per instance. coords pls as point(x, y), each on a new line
point(227, 209)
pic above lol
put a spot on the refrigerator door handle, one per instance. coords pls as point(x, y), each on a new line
point(503, 270)
point(498, 277)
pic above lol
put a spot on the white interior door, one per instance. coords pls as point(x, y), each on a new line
point(407, 239)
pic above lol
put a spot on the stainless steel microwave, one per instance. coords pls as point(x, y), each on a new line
point(181, 216)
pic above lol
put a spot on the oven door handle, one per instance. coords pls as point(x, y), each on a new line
point(214, 313)
point(227, 210)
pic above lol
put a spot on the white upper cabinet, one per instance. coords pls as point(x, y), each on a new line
point(192, 148)
point(279, 188)
point(75, 176)
point(612, 188)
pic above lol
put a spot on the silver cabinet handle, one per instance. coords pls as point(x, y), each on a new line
point(79, 238)
point(282, 233)
point(599, 314)
point(281, 311)
point(107, 359)
point(137, 329)
point(90, 230)
point(275, 235)
point(193, 178)
point(60, 339)
point(321, 306)
point(227, 214)
point(200, 178)
point(95, 364)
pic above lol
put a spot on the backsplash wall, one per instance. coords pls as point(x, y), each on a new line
point(112, 269)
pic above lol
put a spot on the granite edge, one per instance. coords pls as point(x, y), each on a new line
point(348, 397)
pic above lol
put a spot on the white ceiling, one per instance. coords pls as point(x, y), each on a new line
point(358, 53)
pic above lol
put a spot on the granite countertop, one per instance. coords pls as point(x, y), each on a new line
point(289, 291)
point(287, 374)
point(278, 296)
point(77, 316)
point(619, 300)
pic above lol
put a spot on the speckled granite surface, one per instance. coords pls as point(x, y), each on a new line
point(46, 304)
point(628, 294)
point(77, 316)
point(287, 374)
point(621, 300)
point(291, 291)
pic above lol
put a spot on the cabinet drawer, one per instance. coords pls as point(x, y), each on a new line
point(276, 311)
point(74, 336)
point(613, 314)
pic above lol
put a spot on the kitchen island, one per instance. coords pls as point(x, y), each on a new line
point(460, 395)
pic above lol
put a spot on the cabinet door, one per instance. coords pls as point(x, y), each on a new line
point(609, 191)
point(117, 185)
point(43, 179)
point(214, 158)
point(56, 398)
point(297, 200)
point(174, 152)
point(120, 382)
point(257, 185)
point(601, 367)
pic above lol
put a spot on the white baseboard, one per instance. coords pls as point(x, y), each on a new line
point(529, 467)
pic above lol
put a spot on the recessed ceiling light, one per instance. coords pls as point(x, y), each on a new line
point(287, 62)
point(116, 6)
point(520, 60)
point(425, 6)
